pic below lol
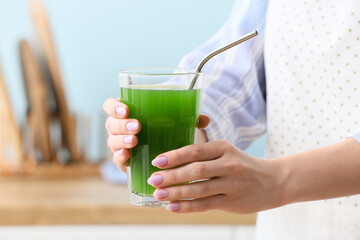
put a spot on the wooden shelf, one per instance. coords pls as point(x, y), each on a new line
point(87, 199)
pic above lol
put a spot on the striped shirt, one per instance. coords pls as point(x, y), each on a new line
point(235, 87)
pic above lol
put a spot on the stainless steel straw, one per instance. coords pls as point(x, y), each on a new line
point(216, 52)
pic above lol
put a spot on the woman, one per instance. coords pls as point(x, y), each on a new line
point(311, 175)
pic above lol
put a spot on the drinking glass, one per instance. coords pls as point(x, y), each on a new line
point(168, 112)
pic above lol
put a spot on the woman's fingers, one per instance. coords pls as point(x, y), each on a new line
point(116, 126)
point(116, 142)
point(197, 205)
point(120, 158)
point(114, 108)
point(191, 153)
point(190, 172)
point(203, 121)
point(193, 190)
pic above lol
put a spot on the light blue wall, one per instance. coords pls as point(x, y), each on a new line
point(95, 39)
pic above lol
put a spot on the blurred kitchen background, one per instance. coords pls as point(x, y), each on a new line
point(93, 40)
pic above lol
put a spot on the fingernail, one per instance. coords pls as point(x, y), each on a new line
point(161, 193)
point(132, 126)
point(155, 180)
point(121, 152)
point(120, 111)
point(173, 206)
point(128, 139)
point(160, 161)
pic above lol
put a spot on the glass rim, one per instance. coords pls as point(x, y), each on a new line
point(148, 71)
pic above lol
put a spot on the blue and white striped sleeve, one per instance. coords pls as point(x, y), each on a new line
point(234, 85)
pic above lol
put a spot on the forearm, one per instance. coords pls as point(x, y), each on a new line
point(327, 172)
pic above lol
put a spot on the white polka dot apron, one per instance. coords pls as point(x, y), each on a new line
point(312, 59)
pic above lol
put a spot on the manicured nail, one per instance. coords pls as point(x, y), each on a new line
point(121, 152)
point(155, 180)
point(132, 126)
point(128, 139)
point(173, 206)
point(120, 111)
point(161, 193)
point(160, 161)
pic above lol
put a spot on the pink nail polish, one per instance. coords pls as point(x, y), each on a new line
point(121, 152)
point(128, 139)
point(120, 111)
point(132, 126)
point(155, 180)
point(160, 161)
point(173, 206)
point(161, 193)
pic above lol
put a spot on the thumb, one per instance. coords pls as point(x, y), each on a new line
point(203, 121)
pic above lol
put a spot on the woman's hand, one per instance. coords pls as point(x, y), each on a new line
point(232, 180)
point(122, 130)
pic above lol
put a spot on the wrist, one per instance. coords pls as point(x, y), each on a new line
point(280, 175)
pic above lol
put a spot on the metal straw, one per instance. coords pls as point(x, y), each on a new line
point(216, 52)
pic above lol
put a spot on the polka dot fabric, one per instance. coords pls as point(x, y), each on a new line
point(313, 74)
point(312, 58)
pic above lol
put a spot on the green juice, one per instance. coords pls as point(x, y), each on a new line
point(168, 116)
